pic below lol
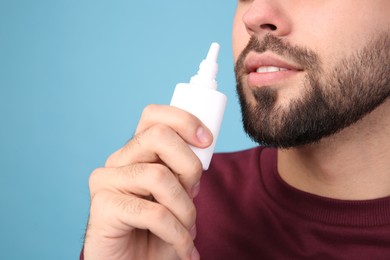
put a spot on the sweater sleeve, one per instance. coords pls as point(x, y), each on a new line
point(82, 254)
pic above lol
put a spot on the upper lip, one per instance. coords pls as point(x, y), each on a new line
point(255, 60)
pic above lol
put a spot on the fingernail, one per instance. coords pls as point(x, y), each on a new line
point(193, 232)
point(195, 254)
point(195, 190)
point(203, 135)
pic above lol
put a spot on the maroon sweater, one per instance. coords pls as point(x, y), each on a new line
point(246, 211)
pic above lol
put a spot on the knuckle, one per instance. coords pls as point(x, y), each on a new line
point(94, 177)
point(128, 149)
point(161, 214)
point(99, 201)
point(184, 240)
point(161, 131)
point(168, 138)
point(110, 160)
point(158, 174)
point(149, 109)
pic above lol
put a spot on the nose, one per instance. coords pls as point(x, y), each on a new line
point(266, 17)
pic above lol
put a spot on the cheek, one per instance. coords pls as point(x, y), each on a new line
point(240, 36)
point(341, 32)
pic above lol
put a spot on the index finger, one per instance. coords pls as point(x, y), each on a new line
point(161, 144)
point(188, 126)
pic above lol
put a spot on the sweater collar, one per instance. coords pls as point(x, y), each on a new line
point(362, 213)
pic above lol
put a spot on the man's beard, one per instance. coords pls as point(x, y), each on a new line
point(330, 100)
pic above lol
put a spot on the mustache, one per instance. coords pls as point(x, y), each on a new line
point(307, 59)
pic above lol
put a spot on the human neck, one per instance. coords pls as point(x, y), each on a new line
point(351, 165)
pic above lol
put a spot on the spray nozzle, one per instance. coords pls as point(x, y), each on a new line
point(212, 55)
point(208, 69)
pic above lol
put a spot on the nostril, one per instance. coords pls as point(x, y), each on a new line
point(268, 26)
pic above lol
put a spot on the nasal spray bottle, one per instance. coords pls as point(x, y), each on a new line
point(201, 98)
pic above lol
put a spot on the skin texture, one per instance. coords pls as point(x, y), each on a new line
point(333, 166)
point(330, 100)
point(141, 200)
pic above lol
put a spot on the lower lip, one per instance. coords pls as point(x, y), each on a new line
point(256, 79)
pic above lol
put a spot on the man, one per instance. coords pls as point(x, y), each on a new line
point(314, 83)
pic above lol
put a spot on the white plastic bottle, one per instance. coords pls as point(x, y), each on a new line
point(201, 98)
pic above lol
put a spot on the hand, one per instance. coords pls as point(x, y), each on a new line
point(141, 201)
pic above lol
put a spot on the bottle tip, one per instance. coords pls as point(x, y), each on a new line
point(208, 69)
point(212, 55)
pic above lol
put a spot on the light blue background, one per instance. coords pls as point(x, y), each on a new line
point(74, 78)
